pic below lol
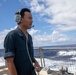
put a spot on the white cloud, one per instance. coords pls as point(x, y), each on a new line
point(33, 32)
point(59, 12)
point(45, 39)
point(41, 39)
point(2, 36)
point(36, 7)
point(38, 40)
point(67, 27)
point(63, 12)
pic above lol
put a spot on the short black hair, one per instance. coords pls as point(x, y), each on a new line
point(22, 11)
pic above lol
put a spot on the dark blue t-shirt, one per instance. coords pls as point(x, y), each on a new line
point(15, 46)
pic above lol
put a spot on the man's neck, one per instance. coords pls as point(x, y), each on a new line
point(23, 29)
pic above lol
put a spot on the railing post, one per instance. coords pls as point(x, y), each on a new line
point(41, 57)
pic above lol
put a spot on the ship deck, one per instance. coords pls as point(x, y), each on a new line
point(4, 71)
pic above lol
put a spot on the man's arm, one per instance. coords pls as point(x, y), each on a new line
point(36, 65)
point(11, 66)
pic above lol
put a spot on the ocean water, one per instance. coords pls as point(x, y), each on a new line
point(2, 61)
point(53, 59)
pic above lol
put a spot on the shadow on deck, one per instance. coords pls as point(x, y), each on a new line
point(4, 70)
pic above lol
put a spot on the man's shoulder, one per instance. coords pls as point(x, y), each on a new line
point(10, 35)
point(12, 32)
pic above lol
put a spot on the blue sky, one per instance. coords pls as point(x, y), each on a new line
point(54, 20)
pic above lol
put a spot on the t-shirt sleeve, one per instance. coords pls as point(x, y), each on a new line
point(9, 46)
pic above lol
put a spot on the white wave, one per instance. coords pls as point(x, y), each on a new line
point(55, 65)
point(2, 61)
point(52, 64)
point(65, 53)
point(74, 58)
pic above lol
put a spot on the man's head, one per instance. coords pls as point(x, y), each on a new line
point(24, 18)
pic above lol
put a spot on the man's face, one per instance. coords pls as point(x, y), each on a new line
point(27, 20)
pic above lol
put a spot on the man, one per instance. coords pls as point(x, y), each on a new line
point(19, 48)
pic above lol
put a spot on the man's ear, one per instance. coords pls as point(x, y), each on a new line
point(22, 19)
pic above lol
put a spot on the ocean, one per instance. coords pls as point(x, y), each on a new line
point(2, 61)
point(53, 59)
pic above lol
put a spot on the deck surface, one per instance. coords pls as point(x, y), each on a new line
point(4, 71)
